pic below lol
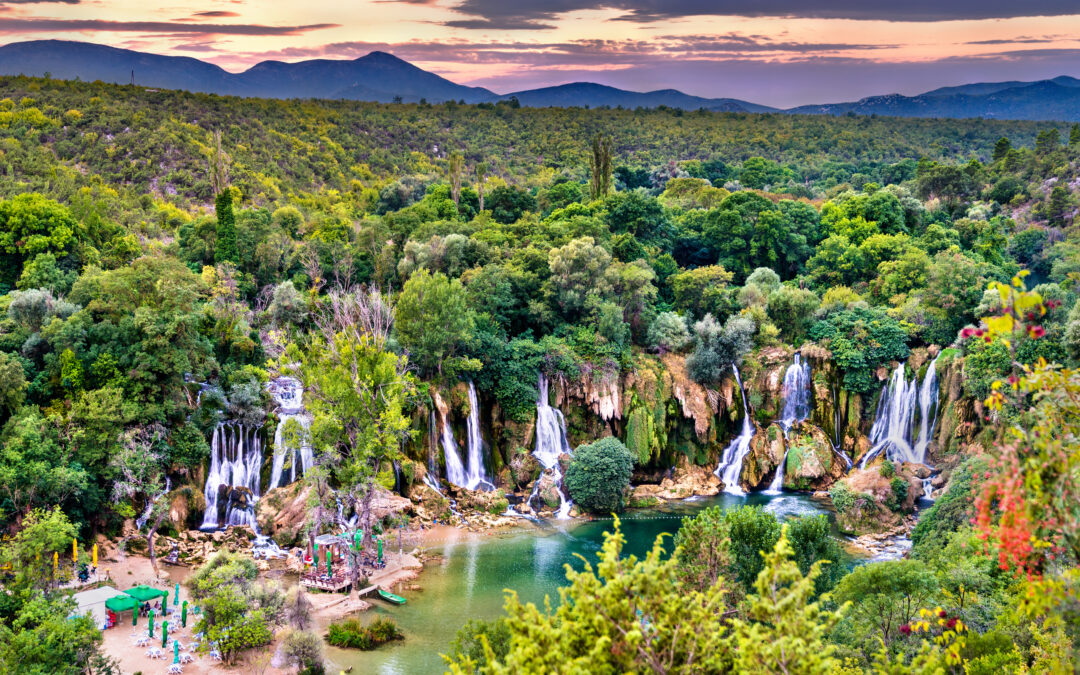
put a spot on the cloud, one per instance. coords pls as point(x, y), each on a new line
point(542, 14)
point(215, 14)
point(34, 2)
point(38, 25)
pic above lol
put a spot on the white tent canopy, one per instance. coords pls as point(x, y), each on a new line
point(93, 601)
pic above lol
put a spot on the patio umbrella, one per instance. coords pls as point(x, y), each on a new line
point(183, 614)
point(95, 555)
point(151, 623)
point(164, 634)
point(135, 614)
point(176, 651)
point(380, 550)
point(75, 550)
point(55, 564)
point(328, 570)
point(176, 596)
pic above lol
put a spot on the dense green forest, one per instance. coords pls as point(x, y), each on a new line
point(166, 254)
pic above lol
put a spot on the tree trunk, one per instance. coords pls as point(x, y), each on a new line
point(365, 512)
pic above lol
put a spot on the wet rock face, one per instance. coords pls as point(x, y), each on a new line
point(879, 497)
point(524, 468)
point(766, 452)
point(549, 490)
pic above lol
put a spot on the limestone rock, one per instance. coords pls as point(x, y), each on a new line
point(766, 452)
point(524, 468)
point(688, 480)
point(812, 464)
point(694, 400)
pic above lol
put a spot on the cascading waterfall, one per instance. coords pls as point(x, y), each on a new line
point(928, 404)
point(550, 444)
point(901, 404)
point(288, 393)
point(731, 461)
point(476, 476)
point(235, 461)
point(455, 469)
point(431, 477)
point(796, 409)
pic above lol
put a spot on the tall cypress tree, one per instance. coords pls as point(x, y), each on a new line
point(225, 250)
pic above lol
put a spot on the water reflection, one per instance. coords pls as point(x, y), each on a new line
point(470, 579)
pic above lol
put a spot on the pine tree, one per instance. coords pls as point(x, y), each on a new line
point(1001, 148)
point(1074, 136)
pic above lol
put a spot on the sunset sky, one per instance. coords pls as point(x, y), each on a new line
point(775, 52)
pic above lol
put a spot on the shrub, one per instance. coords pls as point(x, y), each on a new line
point(302, 650)
point(354, 634)
point(467, 642)
point(842, 497)
point(811, 539)
point(598, 475)
point(887, 469)
point(717, 348)
point(898, 495)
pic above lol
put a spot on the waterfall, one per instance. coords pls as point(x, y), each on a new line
point(928, 404)
point(731, 461)
point(288, 393)
point(455, 470)
point(476, 477)
point(796, 409)
point(235, 461)
point(901, 403)
point(550, 444)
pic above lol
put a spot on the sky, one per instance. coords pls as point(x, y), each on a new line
point(774, 52)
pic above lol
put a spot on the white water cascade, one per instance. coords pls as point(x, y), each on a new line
point(550, 444)
point(731, 461)
point(288, 393)
point(455, 469)
point(902, 403)
point(796, 409)
point(928, 404)
point(476, 476)
point(235, 461)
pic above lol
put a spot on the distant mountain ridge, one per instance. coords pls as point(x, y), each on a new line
point(383, 77)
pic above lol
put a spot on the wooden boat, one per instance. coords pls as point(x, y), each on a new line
point(390, 597)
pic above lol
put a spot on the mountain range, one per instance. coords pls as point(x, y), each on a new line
point(382, 77)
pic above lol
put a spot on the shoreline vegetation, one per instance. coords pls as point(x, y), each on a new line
point(266, 347)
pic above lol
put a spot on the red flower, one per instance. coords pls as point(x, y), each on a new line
point(942, 614)
point(905, 629)
point(967, 332)
point(1036, 332)
point(951, 623)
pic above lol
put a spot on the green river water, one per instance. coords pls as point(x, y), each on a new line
point(468, 581)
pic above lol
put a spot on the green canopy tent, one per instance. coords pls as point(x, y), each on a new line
point(121, 603)
point(146, 593)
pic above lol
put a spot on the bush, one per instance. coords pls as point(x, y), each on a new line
point(842, 497)
point(302, 650)
point(467, 642)
point(354, 634)
point(811, 539)
point(751, 530)
point(887, 469)
point(598, 475)
point(899, 493)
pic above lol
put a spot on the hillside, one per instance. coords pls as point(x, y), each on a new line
point(281, 148)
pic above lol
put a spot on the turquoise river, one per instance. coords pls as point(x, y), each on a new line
point(469, 578)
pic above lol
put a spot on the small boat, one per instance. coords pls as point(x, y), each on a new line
point(390, 597)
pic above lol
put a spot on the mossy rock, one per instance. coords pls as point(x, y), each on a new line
point(642, 502)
